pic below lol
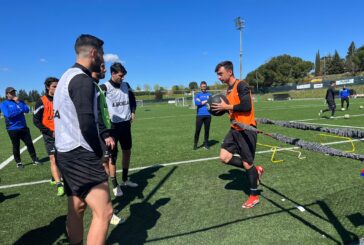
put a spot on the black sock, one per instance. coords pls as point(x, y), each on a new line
point(59, 184)
point(236, 161)
point(114, 182)
point(125, 174)
point(253, 178)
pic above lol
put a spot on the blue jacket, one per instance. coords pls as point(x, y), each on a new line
point(202, 109)
point(14, 114)
point(344, 93)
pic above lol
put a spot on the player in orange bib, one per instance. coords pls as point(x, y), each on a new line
point(43, 119)
point(237, 140)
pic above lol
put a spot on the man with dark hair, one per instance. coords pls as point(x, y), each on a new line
point(237, 140)
point(203, 115)
point(344, 96)
point(43, 118)
point(13, 110)
point(103, 115)
point(330, 100)
point(122, 106)
point(79, 150)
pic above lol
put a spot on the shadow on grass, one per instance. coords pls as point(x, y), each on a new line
point(239, 180)
point(3, 197)
point(356, 219)
point(235, 176)
point(48, 234)
point(130, 194)
point(143, 216)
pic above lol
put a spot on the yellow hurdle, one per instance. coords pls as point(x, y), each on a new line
point(340, 137)
point(274, 150)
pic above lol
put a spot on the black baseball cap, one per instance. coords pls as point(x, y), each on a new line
point(9, 89)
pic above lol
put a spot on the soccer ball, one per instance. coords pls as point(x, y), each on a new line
point(343, 109)
point(361, 107)
point(346, 116)
point(216, 99)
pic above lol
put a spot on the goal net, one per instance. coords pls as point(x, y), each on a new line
point(139, 103)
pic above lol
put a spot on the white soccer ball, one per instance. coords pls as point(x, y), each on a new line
point(346, 116)
point(343, 109)
point(361, 107)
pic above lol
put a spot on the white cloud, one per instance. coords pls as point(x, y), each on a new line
point(43, 60)
point(112, 58)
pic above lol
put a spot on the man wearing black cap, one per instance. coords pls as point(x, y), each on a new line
point(13, 110)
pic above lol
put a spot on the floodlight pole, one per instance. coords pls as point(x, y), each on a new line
point(240, 24)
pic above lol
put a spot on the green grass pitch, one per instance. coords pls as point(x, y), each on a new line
point(199, 202)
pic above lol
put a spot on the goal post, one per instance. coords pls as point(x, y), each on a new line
point(140, 103)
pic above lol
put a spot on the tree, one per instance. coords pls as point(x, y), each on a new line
point(193, 85)
point(175, 88)
point(146, 87)
point(318, 64)
point(359, 58)
point(156, 87)
point(22, 95)
point(34, 95)
point(349, 61)
point(158, 95)
point(279, 71)
point(336, 66)
point(138, 88)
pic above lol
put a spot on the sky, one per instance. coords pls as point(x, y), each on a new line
point(169, 42)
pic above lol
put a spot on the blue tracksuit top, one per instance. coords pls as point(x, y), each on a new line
point(202, 109)
point(14, 114)
point(344, 93)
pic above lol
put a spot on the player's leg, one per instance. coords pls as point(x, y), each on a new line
point(15, 140)
point(228, 149)
point(112, 169)
point(199, 122)
point(27, 139)
point(98, 199)
point(207, 122)
point(126, 144)
point(347, 103)
point(74, 224)
point(342, 103)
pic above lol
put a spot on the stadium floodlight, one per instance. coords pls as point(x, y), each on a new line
point(240, 24)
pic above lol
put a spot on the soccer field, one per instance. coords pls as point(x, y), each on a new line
point(189, 197)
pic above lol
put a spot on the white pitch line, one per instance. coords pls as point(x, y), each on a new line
point(313, 119)
point(334, 125)
point(177, 163)
point(7, 161)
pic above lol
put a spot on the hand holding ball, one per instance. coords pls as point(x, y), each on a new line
point(216, 99)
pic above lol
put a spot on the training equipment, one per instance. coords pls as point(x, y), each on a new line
point(362, 173)
point(303, 144)
point(361, 107)
point(216, 99)
point(346, 116)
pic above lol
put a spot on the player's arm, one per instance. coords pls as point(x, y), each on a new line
point(38, 118)
point(82, 93)
point(245, 98)
point(10, 112)
point(132, 99)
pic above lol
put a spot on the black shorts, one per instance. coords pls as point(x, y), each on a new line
point(81, 171)
point(331, 104)
point(242, 143)
point(122, 134)
point(49, 144)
